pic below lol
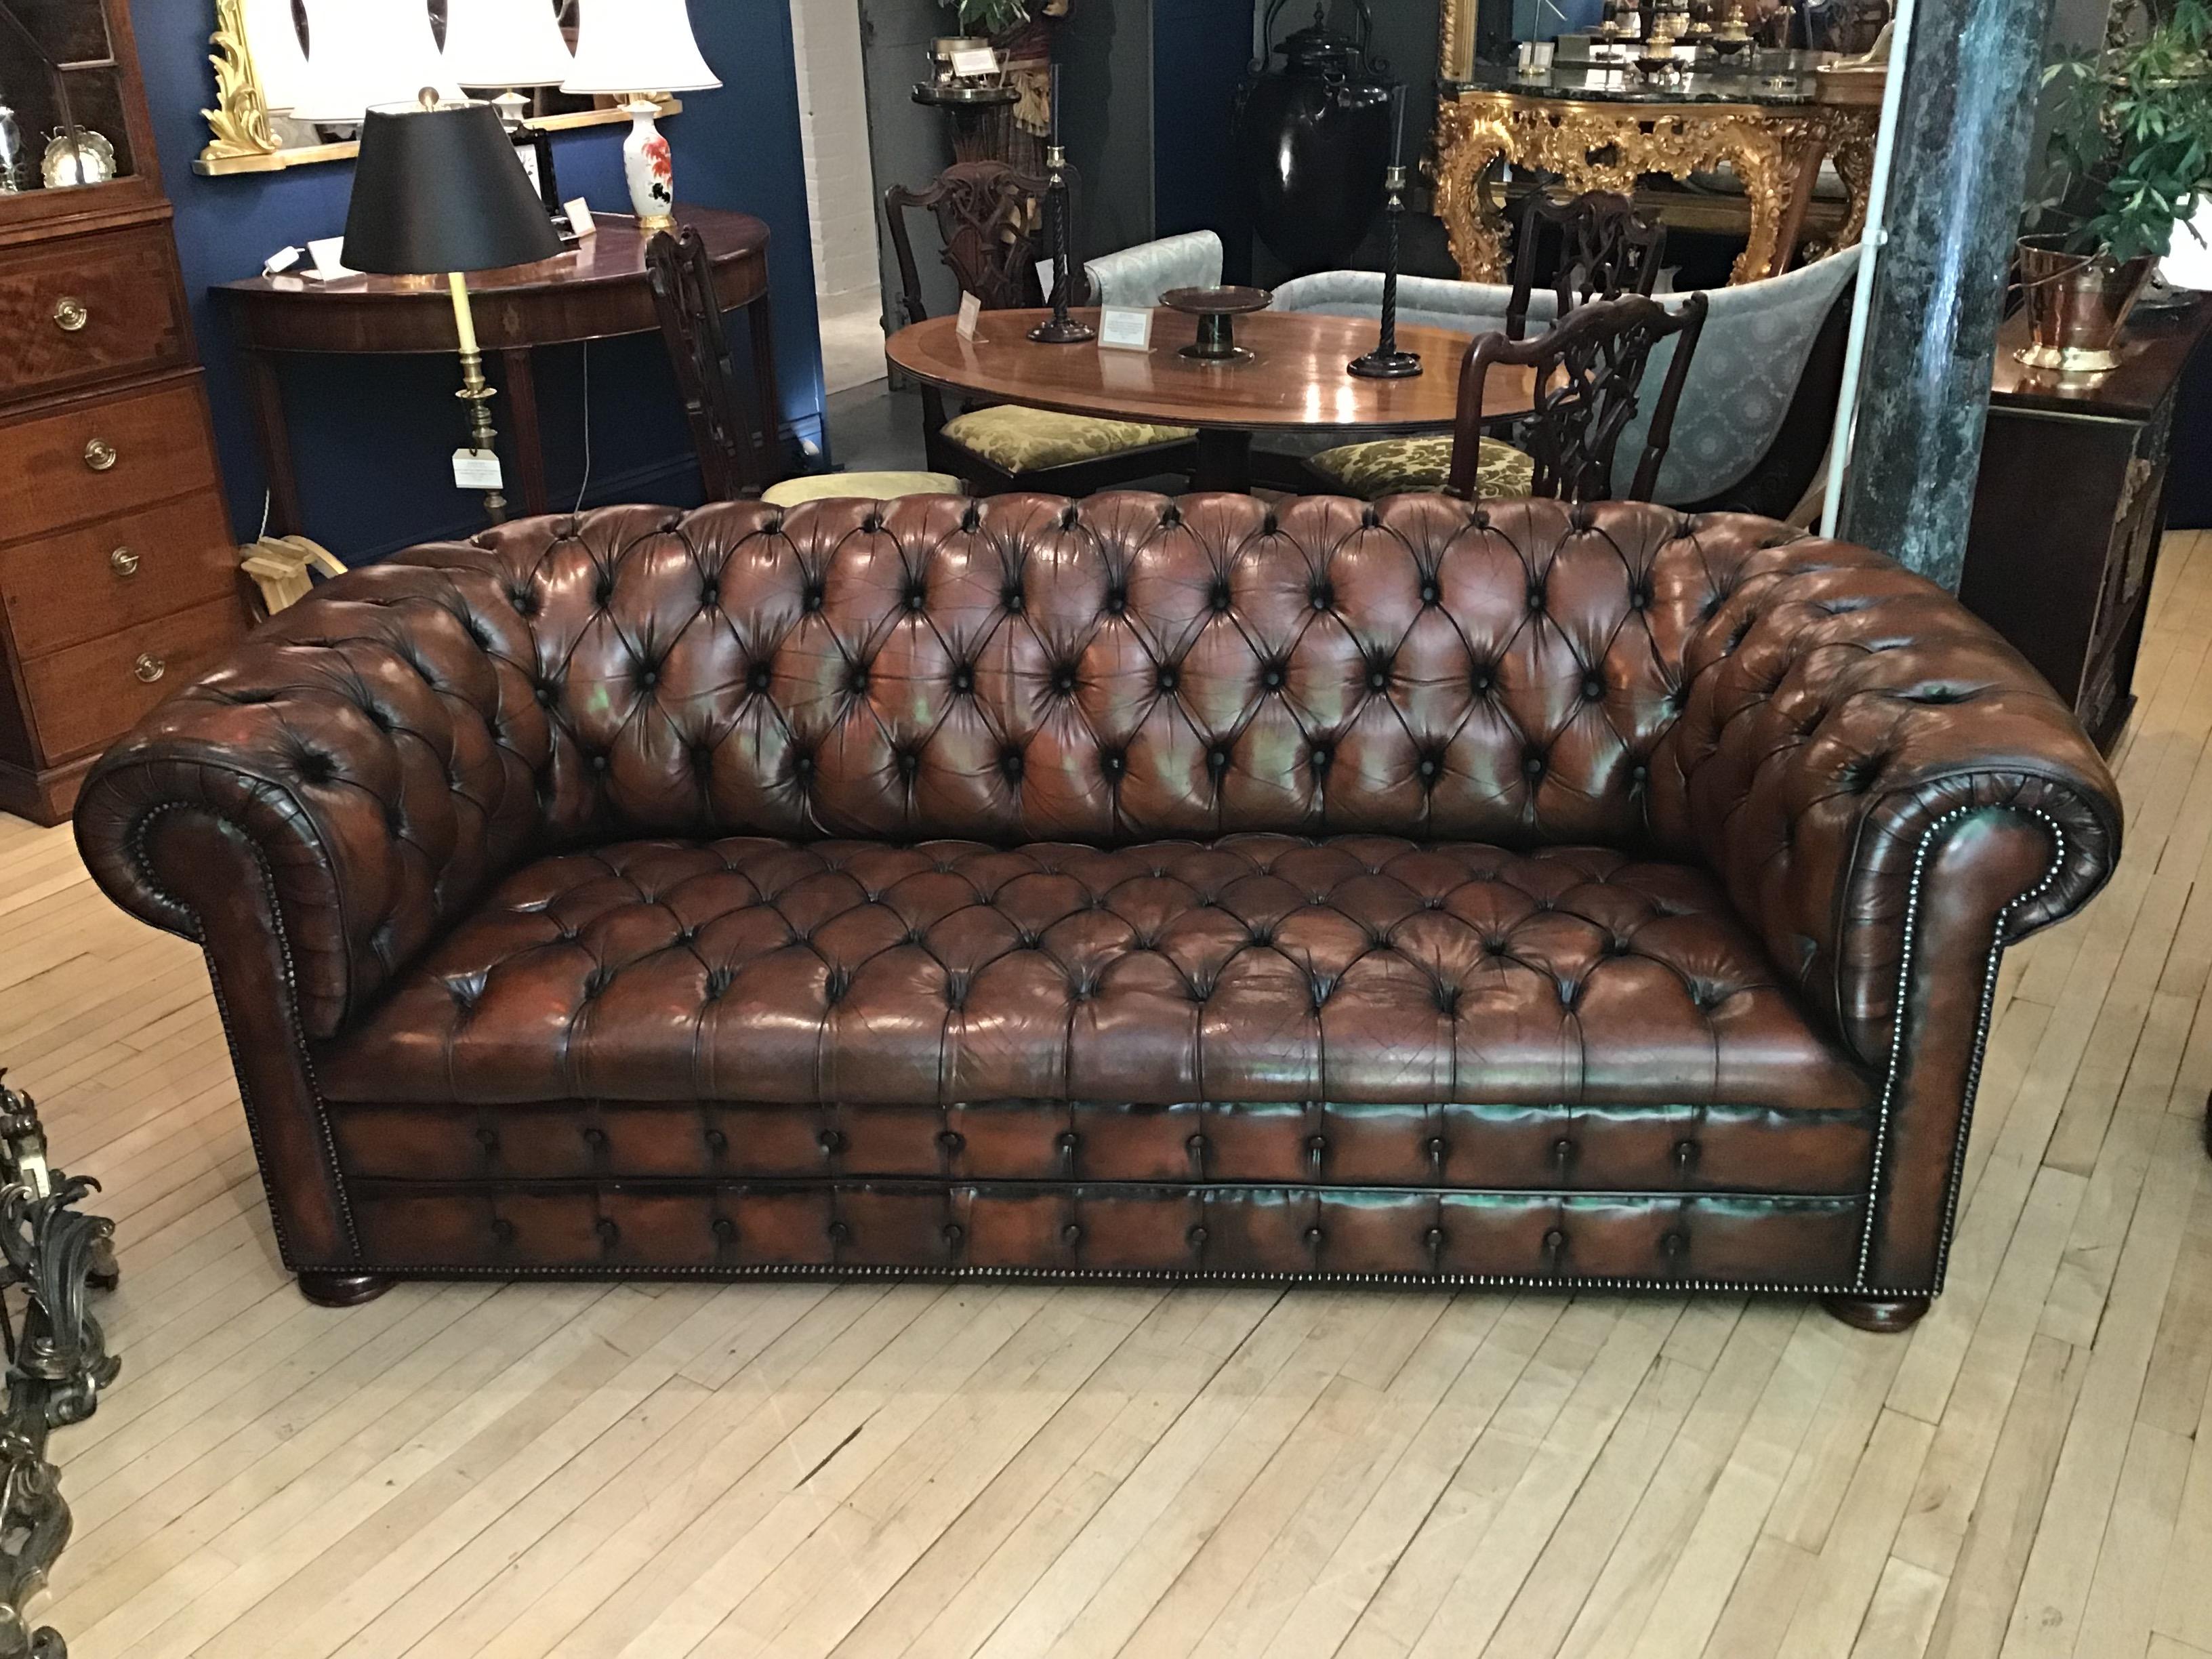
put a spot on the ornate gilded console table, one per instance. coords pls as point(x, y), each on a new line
point(1602, 130)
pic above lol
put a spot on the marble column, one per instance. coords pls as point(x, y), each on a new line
point(1955, 192)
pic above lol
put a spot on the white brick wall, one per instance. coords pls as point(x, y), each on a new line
point(840, 191)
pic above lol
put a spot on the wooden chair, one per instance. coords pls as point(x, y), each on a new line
point(982, 210)
point(1589, 369)
point(737, 455)
point(1606, 249)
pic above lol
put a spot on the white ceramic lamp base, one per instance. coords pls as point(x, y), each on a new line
point(650, 168)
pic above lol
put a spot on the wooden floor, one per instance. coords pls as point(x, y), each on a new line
point(1011, 1471)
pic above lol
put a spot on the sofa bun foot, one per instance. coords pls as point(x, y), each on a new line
point(343, 1289)
point(1870, 1314)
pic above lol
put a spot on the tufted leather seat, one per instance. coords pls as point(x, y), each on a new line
point(1422, 890)
point(1258, 967)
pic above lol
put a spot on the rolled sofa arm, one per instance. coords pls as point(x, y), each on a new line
point(375, 750)
point(1856, 750)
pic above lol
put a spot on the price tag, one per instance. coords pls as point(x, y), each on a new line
point(477, 469)
point(971, 316)
point(1125, 328)
point(972, 61)
point(328, 265)
point(580, 217)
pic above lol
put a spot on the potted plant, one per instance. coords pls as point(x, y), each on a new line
point(2130, 153)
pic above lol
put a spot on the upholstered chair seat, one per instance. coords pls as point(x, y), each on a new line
point(863, 486)
point(1018, 440)
point(1395, 466)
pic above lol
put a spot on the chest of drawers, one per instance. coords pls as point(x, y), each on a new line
point(117, 564)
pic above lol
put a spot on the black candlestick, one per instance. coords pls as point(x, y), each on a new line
point(1062, 329)
point(1386, 362)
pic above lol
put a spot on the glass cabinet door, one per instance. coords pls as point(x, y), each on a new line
point(61, 125)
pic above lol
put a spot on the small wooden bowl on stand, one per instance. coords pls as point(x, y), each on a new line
point(1216, 310)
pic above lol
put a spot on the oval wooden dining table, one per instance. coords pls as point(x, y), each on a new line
point(1295, 379)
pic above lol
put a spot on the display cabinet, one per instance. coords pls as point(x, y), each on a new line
point(117, 565)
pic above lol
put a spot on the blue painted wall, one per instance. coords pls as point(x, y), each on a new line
point(373, 437)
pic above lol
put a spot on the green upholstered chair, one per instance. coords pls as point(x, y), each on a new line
point(983, 211)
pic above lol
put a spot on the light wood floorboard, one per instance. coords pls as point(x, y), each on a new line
point(647, 1472)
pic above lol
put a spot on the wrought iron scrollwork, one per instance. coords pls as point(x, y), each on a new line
point(58, 1357)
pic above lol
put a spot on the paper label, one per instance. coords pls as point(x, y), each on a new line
point(974, 61)
point(1125, 328)
point(580, 217)
point(971, 316)
point(326, 253)
point(477, 469)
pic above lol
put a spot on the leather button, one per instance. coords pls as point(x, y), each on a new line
point(608, 1231)
point(725, 1229)
point(1562, 1151)
point(1685, 1156)
point(1197, 1238)
point(1555, 1242)
point(1196, 1146)
point(831, 1141)
point(1071, 1234)
point(952, 1142)
point(489, 1139)
point(840, 1233)
point(717, 1142)
point(1313, 1234)
point(954, 1232)
point(1674, 1245)
point(964, 678)
point(595, 1138)
point(502, 1230)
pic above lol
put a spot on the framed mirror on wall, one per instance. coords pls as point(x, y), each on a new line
point(280, 102)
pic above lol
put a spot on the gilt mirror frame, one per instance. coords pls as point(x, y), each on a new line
point(1455, 40)
point(242, 139)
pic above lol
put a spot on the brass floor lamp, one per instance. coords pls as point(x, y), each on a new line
point(439, 190)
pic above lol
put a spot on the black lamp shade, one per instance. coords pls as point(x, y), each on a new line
point(442, 190)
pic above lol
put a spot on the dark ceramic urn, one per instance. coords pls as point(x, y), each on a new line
point(1313, 137)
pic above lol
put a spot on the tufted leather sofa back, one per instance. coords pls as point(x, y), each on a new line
point(1129, 669)
point(1124, 669)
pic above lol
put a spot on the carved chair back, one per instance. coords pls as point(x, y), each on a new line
point(1606, 249)
point(1589, 369)
point(984, 212)
point(682, 279)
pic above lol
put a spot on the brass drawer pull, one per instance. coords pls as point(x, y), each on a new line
point(71, 314)
point(100, 455)
point(149, 667)
point(124, 563)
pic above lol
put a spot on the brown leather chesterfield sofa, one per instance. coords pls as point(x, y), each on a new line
point(1417, 894)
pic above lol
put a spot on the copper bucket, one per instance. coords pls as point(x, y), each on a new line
point(2077, 303)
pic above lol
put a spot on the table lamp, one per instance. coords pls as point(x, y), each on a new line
point(357, 58)
point(509, 44)
point(634, 48)
point(280, 62)
point(440, 191)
